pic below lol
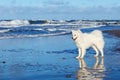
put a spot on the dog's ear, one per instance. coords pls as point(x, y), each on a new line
point(72, 31)
point(79, 31)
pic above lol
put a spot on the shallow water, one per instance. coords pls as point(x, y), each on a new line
point(53, 58)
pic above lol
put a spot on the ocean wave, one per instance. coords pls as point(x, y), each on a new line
point(18, 23)
point(34, 30)
point(14, 23)
point(31, 31)
point(53, 29)
point(33, 35)
point(3, 31)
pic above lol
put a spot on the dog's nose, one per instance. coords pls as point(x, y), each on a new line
point(72, 37)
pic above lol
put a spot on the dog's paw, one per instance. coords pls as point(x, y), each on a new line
point(77, 57)
point(81, 58)
point(102, 56)
point(95, 55)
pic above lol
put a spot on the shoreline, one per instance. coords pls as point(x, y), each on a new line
point(113, 32)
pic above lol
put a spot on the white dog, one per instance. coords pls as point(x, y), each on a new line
point(86, 40)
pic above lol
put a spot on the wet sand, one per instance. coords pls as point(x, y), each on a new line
point(53, 58)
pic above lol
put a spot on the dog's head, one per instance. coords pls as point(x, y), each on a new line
point(75, 34)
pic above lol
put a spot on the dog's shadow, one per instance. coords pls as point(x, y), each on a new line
point(94, 73)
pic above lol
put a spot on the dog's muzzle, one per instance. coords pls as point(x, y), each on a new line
point(74, 38)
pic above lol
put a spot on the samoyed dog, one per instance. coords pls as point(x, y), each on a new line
point(86, 40)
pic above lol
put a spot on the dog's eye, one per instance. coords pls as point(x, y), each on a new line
point(74, 34)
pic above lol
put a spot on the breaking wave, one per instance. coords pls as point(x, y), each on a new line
point(26, 28)
point(31, 31)
point(14, 23)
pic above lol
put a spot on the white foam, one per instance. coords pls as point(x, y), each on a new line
point(43, 35)
point(39, 29)
point(52, 29)
point(37, 35)
point(14, 23)
point(2, 31)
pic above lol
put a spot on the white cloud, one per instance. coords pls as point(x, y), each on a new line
point(60, 12)
point(55, 3)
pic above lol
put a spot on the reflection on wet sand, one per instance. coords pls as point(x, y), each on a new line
point(95, 73)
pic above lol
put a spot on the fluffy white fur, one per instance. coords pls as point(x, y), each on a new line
point(86, 40)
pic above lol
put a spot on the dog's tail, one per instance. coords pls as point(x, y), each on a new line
point(97, 33)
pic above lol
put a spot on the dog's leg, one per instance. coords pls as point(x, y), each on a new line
point(97, 63)
point(96, 50)
point(79, 50)
point(83, 52)
point(101, 51)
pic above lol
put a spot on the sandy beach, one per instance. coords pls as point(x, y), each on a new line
point(53, 58)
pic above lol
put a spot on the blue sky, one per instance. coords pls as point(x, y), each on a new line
point(60, 9)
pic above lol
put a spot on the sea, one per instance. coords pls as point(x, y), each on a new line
point(47, 52)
